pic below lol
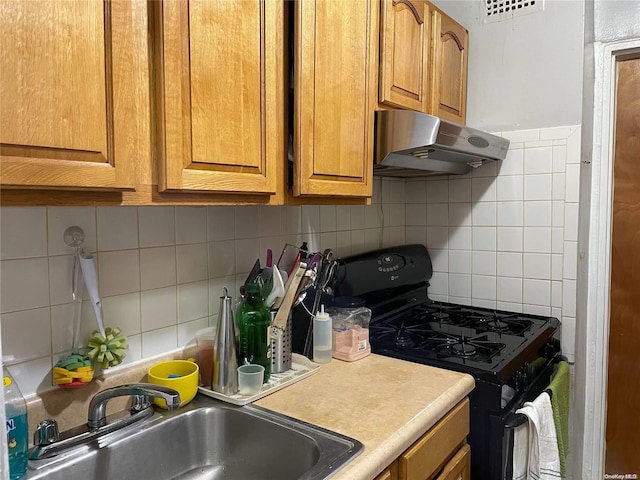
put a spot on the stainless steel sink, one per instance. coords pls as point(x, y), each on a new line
point(207, 439)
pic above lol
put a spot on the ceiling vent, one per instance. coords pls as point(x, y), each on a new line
point(504, 9)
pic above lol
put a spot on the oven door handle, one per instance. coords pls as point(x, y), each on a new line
point(513, 420)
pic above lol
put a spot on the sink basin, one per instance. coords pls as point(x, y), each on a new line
point(207, 439)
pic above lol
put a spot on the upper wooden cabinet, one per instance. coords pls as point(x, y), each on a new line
point(449, 80)
point(405, 54)
point(70, 74)
point(423, 60)
point(334, 47)
point(220, 72)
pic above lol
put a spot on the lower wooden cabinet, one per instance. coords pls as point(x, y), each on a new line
point(441, 453)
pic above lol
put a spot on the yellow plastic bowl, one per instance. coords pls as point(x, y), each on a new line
point(181, 375)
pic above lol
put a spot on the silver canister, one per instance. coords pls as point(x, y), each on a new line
point(281, 349)
point(225, 362)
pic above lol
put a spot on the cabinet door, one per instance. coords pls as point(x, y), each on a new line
point(74, 93)
point(404, 54)
point(459, 467)
point(449, 80)
point(333, 103)
point(220, 98)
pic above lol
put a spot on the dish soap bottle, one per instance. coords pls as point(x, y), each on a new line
point(254, 323)
point(322, 337)
point(17, 427)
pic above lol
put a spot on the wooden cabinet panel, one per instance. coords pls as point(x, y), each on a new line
point(449, 75)
point(404, 54)
point(390, 473)
point(427, 456)
point(333, 108)
point(70, 102)
point(459, 467)
point(220, 95)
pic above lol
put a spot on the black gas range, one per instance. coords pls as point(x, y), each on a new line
point(511, 355)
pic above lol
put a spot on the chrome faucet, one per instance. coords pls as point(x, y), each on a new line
point(141, 393)
point(48, 442)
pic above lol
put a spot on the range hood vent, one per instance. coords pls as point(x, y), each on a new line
point(412, 144)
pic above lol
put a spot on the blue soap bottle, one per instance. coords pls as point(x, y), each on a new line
point(17, 427)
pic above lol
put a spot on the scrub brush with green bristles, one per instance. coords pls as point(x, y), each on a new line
point(106, 348)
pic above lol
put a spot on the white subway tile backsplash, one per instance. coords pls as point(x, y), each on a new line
point(509, 264)
point(460, 238)
point(159, 308)
point(537, 266)
point(543, 310)
point(60, 271)
point(536, 292)
point(460, 214)
point(191, 262)
point(538, 159)
point(26, 334)
point(509, 289)
point(117, 228)
point(157, 226)
point(193, 301)
point(513, 164)
point(221, 223)
point(483, 238)
point(415, 214)
point(509, 188)
point(61, 218)
point(343, 217)
point(572, 193)
point(23, 232)
point(438, 214)
point(415, 191)
point(568, 337)
point(191, 225)
point(537, 239)
point(270, 221)
point(118, 272)
point(483, 263)
point(248, 221)
point(510, 239)
point(557, 186)
point(222, 256)
point(25, 284)
point(459, 261)
point(496, 237)
point(537, 187)
point(537, 214)
point(357, 217)
point(122, 311)
point(483, 189)
point(510, 214)
point(157, 267)
point(158, 342)
point(484, 214)
point(460, 190)
point(328, 218)
point(459, 285)
point(483, 287)
point(437, 191)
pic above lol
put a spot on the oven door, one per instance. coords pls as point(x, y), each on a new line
point(509, 419)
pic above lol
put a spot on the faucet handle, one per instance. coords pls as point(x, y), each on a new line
point(46, 433)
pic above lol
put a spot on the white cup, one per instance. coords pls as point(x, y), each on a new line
point(250, 379)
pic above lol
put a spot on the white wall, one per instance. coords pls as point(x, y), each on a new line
point(525, 72)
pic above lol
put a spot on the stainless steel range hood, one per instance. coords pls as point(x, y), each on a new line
point(413, 144)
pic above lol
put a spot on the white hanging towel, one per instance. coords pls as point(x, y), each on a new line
point(535, 444)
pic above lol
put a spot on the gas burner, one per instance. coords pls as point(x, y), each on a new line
point(497, 326)
point(511, 324)
point(463, 349)
point(404, 339)
point(440, 315)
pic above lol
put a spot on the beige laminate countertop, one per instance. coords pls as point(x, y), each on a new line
point(385, 403)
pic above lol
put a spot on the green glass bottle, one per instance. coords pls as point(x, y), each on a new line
point(254, 322)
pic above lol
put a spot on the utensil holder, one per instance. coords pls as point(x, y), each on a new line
point(281, 350)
